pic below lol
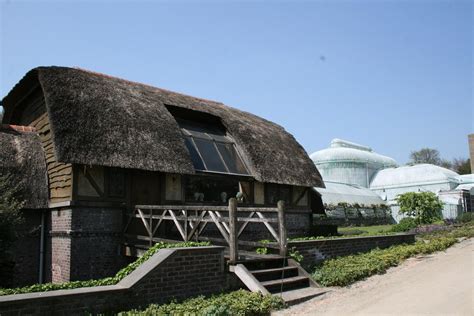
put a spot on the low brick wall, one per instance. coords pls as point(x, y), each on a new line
point(315, 251)
point(170, 274)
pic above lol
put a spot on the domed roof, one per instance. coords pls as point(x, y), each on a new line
point(344, 151)
point(417, 174)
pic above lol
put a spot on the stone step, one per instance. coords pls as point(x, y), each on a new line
point(286, 284)
point(264, 263)
point(275, 273)
point(300, 295)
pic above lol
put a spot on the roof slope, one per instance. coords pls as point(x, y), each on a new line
point(23, 157)
point(102, 120)
point(335, 193)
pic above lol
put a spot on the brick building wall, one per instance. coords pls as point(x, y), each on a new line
point(169, 274)
point(315, 251)
point(84, 243)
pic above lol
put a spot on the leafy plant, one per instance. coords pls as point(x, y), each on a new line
point(465, 217)
point(404, 225)
point(424, 207)
point(295, 254)
point(263, 250)
point(105, 281)
point(10, 219)
point(346, 270)
point(238, 303)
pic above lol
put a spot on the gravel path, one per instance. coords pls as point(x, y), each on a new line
point(437, 284)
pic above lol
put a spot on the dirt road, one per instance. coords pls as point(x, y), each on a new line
point(438, 284)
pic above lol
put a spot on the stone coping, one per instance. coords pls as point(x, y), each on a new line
point(129, 281)
point(351, 238)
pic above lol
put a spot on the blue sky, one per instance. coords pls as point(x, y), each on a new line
point(393, 75)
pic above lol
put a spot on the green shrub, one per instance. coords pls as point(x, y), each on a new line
point(465, 217)
point(10, 219)
point(404, 225)
point(106, 281)
point(238, 303)
point(424, 207)
point(346, 270)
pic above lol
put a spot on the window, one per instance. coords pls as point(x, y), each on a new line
point(215, 189)
point(211, 149)
point(276, 192)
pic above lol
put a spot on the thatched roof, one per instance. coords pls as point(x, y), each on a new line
point(102, 120)
point(22, 156)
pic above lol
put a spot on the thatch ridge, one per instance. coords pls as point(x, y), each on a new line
point(23, 158)
point(97, 119)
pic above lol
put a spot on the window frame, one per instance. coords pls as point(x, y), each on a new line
point(228, 140)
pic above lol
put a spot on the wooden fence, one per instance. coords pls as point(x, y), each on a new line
point(191, 221)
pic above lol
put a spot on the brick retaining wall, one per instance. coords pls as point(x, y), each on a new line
point(315, 251)
point(170, 274)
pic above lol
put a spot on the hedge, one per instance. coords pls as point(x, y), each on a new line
point(101, 282)
point(238, 303)
point(343, 271)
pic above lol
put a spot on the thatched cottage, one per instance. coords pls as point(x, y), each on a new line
point(86, 148)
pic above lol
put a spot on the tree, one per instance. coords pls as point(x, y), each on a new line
point(425, 155)
point(424, 207)
point(462, 166)
point(10, 219)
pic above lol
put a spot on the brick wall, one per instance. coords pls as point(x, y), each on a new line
point(315, 251)
point(84, 243)
point(169, 274)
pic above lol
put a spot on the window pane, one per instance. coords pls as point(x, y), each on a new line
point(219, 136)
point(197, 162)
point(194, 129)
point(271, 194)
point(116, 182)
point(232, 160)
point(210, 155)
point(210, 189)
point(285, 194)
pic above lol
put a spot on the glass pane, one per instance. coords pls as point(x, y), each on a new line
point(231, 158)
point(210, 189)
point(271, 194)
point(195, 130)
point(219, 136)
point(210, 155)
point(197, 162)
point(116, 182)
point(285, 194)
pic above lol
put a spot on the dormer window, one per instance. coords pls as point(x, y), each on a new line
point(211, 149)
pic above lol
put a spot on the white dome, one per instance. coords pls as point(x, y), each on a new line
point(413, 175)
point(344, 151)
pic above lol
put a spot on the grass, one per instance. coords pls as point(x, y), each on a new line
point(365, 230)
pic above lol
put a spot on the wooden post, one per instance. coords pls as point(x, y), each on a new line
point(282, 227)
point(233, 245)
point(150, 233)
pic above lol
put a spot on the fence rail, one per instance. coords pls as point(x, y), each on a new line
point(191, 221)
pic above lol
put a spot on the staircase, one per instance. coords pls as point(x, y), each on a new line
point(277, 276)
